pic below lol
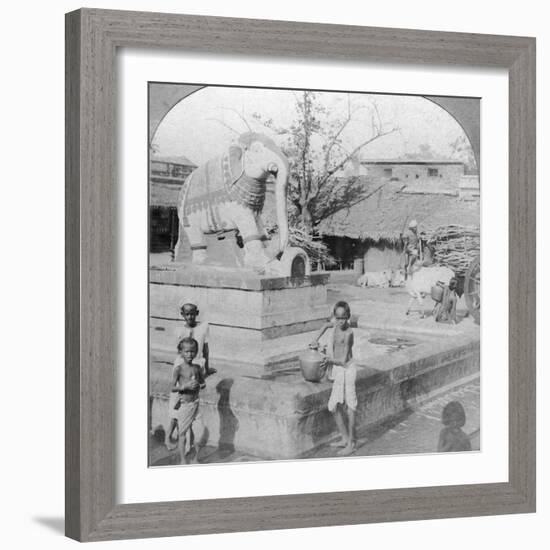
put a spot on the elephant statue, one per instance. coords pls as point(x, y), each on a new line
point(228, 193)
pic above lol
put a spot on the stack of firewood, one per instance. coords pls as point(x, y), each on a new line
point(314, 247)
point(455, 246)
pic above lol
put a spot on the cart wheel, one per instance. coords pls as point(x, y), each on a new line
point(472, 289)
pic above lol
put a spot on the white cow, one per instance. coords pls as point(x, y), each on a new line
point(420, 283)
point(397, 278)
point(376, 278)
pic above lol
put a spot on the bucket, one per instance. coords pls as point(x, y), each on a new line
point(312, 365)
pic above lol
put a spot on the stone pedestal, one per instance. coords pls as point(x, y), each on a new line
point(257, 323)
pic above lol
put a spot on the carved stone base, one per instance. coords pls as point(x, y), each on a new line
point(254, 320)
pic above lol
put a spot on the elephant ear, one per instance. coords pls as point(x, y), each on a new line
point(235, 165)
point(246, 190)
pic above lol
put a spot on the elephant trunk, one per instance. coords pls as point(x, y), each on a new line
point(281, 207)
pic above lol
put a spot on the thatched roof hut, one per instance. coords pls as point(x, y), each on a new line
point(384, 216)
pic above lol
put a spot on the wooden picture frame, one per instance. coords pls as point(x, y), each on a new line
point(92, 39)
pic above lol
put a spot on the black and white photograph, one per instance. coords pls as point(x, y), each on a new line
point(253, 239)
point(314, 274)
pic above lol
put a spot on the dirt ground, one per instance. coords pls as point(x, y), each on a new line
point(398, 295)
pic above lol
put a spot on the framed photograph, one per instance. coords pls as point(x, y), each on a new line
point(274, 240)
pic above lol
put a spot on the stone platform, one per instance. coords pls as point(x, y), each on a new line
point(279, 415)
point(255, 321)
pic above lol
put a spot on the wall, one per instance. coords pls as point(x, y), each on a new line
point(417, 174)
point(379, 258)
point(469, 187)
point(32, 461)
point(375, 257)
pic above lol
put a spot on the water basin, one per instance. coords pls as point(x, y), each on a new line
point(367, 344)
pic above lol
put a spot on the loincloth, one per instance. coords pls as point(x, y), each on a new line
point(185, 414)
point(343, 388)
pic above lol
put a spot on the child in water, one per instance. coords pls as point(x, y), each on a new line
point(338, 335)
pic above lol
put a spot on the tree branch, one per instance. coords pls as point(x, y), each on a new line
point(334, 139)
point(225, 124)
point(335, 206)
point(233, 110)
point(340, 164)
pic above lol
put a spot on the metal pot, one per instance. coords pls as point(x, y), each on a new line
point(313, 365)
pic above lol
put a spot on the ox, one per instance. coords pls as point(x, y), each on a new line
point(420, 283)
point(376, 278)
point(398, 277)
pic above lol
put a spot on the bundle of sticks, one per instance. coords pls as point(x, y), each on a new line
point(315, 248)
point(454, 246)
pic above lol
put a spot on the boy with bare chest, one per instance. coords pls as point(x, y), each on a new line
point(187, 381)
point(198, 330)
point(343, 373)
point(342, 343)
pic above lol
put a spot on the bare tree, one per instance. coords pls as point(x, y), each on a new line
point(318, 152)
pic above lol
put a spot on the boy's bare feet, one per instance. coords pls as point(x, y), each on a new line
point(348, 449)
point(192, 455)
point(339, 443)
point(170, 442)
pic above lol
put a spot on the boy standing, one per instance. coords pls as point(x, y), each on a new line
point(198, 331)
point(445, 310)
point(413, 247)
point(187, 380)
point(343, 373)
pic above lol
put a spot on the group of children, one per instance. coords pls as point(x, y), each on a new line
point(335, 340)
point(188, 378)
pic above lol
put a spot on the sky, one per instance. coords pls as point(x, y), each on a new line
point(202, 125)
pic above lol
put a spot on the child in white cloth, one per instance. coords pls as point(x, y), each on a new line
point(337, 337)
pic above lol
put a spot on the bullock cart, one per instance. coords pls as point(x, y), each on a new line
point(458, 248)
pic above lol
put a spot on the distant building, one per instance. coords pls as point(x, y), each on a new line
point(468, 187)
point(166, 177)
point(436, 193)
point(420, 175)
